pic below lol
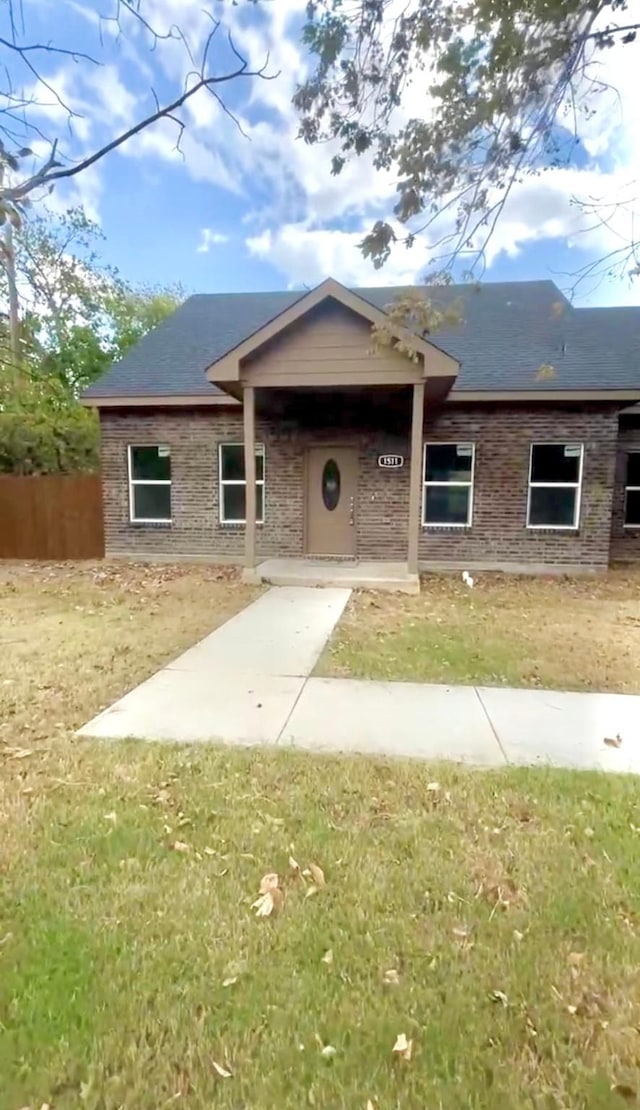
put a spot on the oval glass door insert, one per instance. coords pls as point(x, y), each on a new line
point(331, 484)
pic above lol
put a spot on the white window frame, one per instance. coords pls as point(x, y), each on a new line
point(145, 482)
point(259, 449)
point(629, 489)
point(577, 486)
point(468, 485)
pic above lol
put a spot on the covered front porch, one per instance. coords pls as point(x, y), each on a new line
point(312, 377)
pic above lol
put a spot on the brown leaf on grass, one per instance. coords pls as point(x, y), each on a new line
point(269, 883)
point(317, 875)
point(268, 903)
point(628, 1093)
point(180, 846)
point(498, 996)
point(403, 1047)
point(391, 977)
point(223, 1072)
point(613, 741)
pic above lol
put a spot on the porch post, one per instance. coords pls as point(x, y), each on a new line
point(248, 410)
point(415, 476)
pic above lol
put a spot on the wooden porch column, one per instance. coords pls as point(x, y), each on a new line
point(415, 476)
point(249, 415)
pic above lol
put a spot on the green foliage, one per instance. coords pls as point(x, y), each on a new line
point(497, 77)
point(43, 430)
point(77, 316)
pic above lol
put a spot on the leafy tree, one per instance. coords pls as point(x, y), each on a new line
point(507, 85)
point(77, 316)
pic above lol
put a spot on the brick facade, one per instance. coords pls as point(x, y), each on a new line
point(498, 535)
point(625, 542)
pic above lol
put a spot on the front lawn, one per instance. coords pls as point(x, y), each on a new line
point(491, 919)
point(556, 633)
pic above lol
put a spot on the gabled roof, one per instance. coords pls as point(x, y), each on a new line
point(329, 290)
point(508, 331)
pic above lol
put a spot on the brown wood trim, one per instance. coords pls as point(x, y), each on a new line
point(228, 367)
point(460, 396)
point(389, 376)
point(177, 400)
point(415, 475)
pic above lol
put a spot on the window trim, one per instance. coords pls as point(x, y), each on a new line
point(468, 485)
point(146, 482)
point(577, 486)
point(629, 489)
point(259, 449)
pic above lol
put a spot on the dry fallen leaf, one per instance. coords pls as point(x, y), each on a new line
point(499, 996)
point(328, 957)
point(625, 1091)
point(264, 905)
point(317, 875)
point(269, 883)
point(230, 981)
point(268, 903)
point(613, 741)
point(180, 846)
point(391, 977)
point(403, 1047)
point(224, 1073)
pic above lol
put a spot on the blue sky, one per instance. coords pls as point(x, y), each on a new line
point(262, 212)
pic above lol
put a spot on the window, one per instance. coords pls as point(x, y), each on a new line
point(632, 491)
point(448, 484)
point(150, 484)
point(555, 481)
point(233, 484)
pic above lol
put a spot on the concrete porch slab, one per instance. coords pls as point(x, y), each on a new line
point(393, 718)
point(327, 572)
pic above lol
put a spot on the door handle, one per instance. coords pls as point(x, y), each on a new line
point(351, 511)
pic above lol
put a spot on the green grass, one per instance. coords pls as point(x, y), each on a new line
point(116, 946)
point(506, 903)
point(572, 634)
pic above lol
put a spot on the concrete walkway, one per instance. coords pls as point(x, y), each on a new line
point(247, 683)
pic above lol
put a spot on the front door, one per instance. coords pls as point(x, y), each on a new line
point(332, 476)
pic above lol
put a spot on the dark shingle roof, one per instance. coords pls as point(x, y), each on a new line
point(508, 331)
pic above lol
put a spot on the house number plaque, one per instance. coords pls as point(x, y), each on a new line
point(391, 462)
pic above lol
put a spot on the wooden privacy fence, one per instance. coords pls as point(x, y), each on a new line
point(51, 516)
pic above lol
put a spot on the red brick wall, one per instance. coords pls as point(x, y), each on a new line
point(625, 542)
point(497, 537)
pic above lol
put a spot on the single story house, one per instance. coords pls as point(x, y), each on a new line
point(260, 426)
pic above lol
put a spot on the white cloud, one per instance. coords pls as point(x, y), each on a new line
point(308, 255)
point(210, 238)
